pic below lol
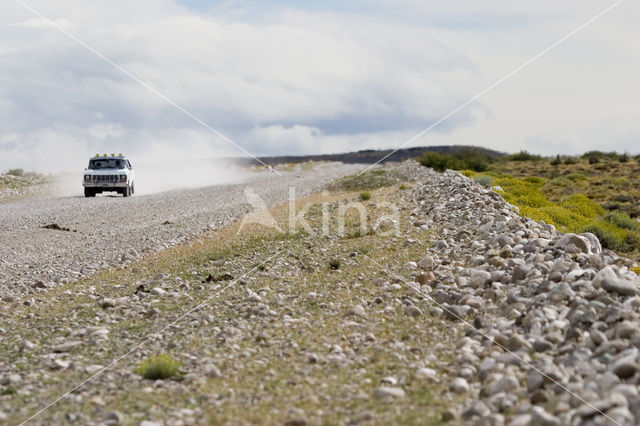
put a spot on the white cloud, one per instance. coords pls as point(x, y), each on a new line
point(39, 23)
point(287, 80)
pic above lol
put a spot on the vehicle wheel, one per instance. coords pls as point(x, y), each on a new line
point(133, 189)
point(88, 192)
point(125, 192)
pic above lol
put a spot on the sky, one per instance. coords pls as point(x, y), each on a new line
point(307, 77)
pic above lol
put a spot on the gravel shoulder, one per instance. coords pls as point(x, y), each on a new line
point(113, 231)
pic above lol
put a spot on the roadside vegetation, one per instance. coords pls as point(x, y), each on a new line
point(597, 192)
point(18, 178)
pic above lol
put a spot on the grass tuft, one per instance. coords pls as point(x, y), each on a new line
point(483, 180)
point(159, 367)
point(365, 195)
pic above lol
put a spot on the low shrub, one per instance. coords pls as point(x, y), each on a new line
point(622, 220)
point(535, 181)
point(570, 160)
point(623, 158)
point(556, 161)
point(576, 177)
point(483, 180)
point(522, 156)
point(521, 193)
point(440, 162)
point(159, 367)
point(613, 206)
point(582, 205)
point(365, 195)
point(474, 159)
point(610, 237)
point(475, 164)
point(623, 198)
point(8, 391)
point(614, 181)
point(598, 156)
point(16, 172)
point(631, 241)
point(334, 264)
point(563, 217)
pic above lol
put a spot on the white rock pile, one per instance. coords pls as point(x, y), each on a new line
point(553, 319)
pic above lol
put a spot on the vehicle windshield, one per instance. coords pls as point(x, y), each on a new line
point(105, 163)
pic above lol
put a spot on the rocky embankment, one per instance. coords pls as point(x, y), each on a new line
point(553, 320)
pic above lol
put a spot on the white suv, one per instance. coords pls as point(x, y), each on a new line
point(108, 173)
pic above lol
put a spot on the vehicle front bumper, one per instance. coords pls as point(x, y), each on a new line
point(105, 184)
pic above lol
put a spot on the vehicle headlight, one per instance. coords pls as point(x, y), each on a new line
point(123, 178)
point(87, 177)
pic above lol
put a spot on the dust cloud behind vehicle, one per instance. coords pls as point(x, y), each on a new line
point(153, 175)
point(168, 174)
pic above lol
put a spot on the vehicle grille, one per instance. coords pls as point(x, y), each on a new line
point(105, 178)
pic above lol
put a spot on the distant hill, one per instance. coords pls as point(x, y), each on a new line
point(369, 156)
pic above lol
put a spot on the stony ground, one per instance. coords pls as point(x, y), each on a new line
point(14, 187)
point(45, 241)
point(456, 311)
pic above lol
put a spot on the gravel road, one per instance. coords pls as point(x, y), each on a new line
point(110, 231)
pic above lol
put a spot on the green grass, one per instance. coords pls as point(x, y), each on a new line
point(159, 367)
